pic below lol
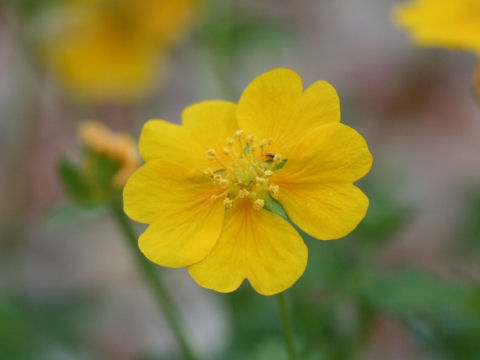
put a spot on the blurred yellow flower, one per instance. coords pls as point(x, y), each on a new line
point(114, 49)
point(207, 184)
point(116, 146)
point(444, 23)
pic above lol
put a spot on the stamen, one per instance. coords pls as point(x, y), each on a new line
point(258, 204)
point(211, 154)
point(264, 146)
point(208, 172)
point(251, 153)
point(277, 158)
point(251, 139)
point(238, 134)
point(218, 196)
point(260, 180)
point(274, 190)
point(228, 203)
point(243, 193)
point(245, 174)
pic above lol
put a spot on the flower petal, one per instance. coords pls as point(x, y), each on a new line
point(205, 125)
point(211, 122)
point(316, 187)
point(275, 106)
point(445, 23)
point(161, 139)
point(185, 220)
point(257, 245)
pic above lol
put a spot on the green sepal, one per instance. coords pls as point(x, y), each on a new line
point(280, 164)
point(103, 171)
point(92, 184)
point(274, 206)
point(74, 182)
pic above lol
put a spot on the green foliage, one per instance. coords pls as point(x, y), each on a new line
point(470, 232)
point(345, 290)
point(230, 30)
point(385, 216)
point(32, 7)
point(30, 328)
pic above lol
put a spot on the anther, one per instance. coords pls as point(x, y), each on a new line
point(230, 141)
point(274, 190)
point(238, 134)
point(226, 151)
point(277, 158)
point(243, 193)
point(251, 139)
point(208, 172)
point(268, 173)
point(264, 145)
point(228, 203)
point(260, 180)
point(211, 154)
point(258, 204)
point(217, 179)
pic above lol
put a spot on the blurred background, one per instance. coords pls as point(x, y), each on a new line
point(404, 285)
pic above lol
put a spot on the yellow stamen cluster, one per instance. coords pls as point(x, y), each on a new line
point(244, 170)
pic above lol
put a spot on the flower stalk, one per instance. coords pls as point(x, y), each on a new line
point(162, 297)
point(287, 326)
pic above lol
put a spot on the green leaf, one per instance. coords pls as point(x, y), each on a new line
point(33, 7)
point(229, 30)
point(30, 328)
point(411, 291)
point(271, 348)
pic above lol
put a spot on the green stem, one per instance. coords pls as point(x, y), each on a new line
point(148, 271)
point(287, 326)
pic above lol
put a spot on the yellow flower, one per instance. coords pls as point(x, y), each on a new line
point(206, 183)
point(114, 49)
point(116, 146)
point(444, 23)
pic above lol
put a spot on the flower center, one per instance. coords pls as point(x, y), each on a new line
point(245, 169)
